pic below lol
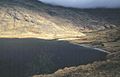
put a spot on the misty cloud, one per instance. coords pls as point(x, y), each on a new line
point(85, 3)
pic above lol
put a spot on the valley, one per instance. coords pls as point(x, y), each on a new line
point(28, 23)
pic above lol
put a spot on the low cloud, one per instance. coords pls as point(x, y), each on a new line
point(85, 3)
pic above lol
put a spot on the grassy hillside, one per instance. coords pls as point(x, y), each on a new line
point(29, 18)
point(96, 28)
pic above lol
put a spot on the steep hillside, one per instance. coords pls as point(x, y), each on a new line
point(96, 28)
point(29, 18)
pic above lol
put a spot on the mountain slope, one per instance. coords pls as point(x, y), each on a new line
point(29, 18)
point(92, 27)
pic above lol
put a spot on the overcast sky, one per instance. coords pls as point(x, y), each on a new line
point(85, 3)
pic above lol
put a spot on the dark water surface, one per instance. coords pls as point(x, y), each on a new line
point(26, 57)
